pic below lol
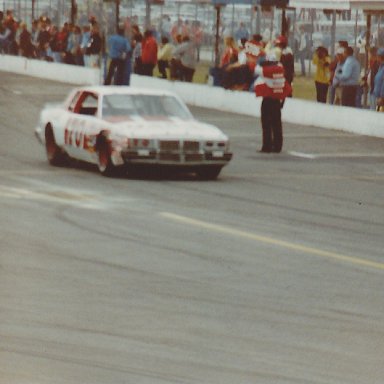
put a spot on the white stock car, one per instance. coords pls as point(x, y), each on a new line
point(118, 128)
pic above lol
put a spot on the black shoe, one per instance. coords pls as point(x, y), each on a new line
point(264, 150)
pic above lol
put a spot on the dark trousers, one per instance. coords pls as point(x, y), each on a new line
point(348, 95)
point(187, 73)
point(271, 125)
point(118, 66)
point(321, 92)
point(147, 69)
point(180, 71)
point(163, 65)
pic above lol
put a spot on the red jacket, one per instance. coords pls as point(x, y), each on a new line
point(271, 81)
point(149, 51)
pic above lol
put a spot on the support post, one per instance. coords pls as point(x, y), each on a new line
point(366, 59)
point(333, 33)
point(117, 14)
point(217, 35)
point(73, 11)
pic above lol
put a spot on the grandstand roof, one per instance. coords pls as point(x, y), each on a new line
point(371, 5)
point(320, 4)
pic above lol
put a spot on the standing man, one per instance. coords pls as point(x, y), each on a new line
point(286, 58)
point(378, 90)
point(188, 59)
point(25, 43)
point(197, 35)
point(303, 46)
point(43, 37)
point(241, 33)
point(335, 65)
point(85, 39)
point(164, 56)
point(272, 86)
point(93, 50)
point(349, 78)
point(148, 53)
point(321, 60)
point(118, 52)
point(374, 65)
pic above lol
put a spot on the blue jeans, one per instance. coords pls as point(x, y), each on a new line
point(302, 57)
point(332, 92)
point(372, 102)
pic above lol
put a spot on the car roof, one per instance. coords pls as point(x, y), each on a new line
point(126, 90)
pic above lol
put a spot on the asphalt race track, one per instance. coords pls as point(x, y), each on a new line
point(273, 274)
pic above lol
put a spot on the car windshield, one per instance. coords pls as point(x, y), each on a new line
point(144, 105)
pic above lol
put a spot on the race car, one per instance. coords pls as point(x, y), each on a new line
point(119, 128)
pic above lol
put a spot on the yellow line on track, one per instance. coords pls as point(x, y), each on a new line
point(272, 241)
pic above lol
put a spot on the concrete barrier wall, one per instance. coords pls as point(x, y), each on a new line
point(50, 71)
point(295, 111)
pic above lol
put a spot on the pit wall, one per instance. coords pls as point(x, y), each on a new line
point(295, 111)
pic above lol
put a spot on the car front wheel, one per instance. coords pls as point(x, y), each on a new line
point(105, 165)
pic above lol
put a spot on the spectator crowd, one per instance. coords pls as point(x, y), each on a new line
point(342, 80)
point(175, 50)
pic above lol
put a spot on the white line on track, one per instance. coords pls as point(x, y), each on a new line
point(72, 197)
point(272, 241)
point(313, 156)
point(303, 155)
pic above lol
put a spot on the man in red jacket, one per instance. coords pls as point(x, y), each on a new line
point(272, 86)
point(148, 53)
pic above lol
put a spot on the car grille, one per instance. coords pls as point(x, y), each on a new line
point(180, 151)
point(191, 146)
point(171, 145)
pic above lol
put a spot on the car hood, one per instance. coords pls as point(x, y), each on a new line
point(168, 128)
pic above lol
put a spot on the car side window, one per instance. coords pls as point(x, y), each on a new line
point(86, 104)
point(73, 102)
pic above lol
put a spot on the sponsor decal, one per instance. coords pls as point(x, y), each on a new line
point(75, 135)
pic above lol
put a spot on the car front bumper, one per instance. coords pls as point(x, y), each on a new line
point(173, 158)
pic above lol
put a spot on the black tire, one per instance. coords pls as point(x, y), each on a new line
point(105, 165)
point(208, 173)
point(55, 155)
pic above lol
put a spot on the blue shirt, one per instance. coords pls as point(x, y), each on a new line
point(242, 33)
point(85, 39)
point(350, 72)
point(118, 46)
point(378, 89)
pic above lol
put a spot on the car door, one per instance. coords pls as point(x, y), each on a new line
point(82, 127)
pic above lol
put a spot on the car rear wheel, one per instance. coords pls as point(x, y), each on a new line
point(208, 173)
point(55, 154)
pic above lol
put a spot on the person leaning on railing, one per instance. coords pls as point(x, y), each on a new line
point(187, 59)
point(164, 56)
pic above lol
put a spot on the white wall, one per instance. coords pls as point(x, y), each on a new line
point(50, 71)
point(295, 111)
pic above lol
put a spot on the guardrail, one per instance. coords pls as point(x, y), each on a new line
point(295, 111)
